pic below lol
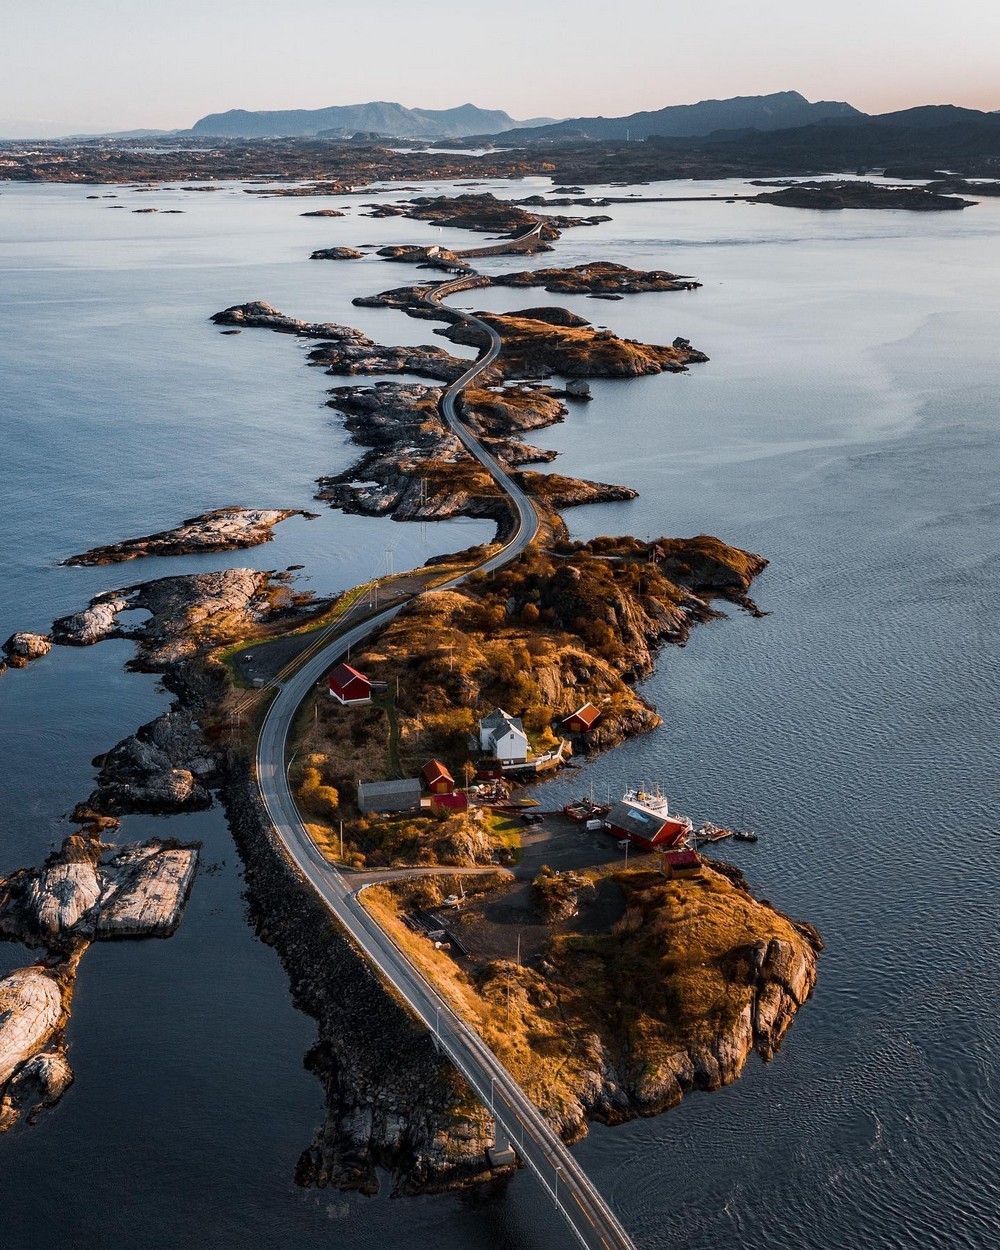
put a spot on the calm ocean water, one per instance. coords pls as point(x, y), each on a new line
point(846, 428)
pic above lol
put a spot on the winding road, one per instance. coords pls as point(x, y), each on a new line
point(577, 1199)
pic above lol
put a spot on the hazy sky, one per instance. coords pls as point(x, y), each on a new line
point(82, 65)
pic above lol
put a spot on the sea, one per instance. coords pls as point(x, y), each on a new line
point(846, 427)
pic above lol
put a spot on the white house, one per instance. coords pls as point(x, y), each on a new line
point(503, 737)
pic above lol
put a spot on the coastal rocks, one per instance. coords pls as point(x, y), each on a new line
point(260, 315)
point(411, 300)
point(163, 768)
point(45, 906)
point(146, 889)
point(37, 1084)
point(222, 529)
point(432, 257)
point(77, 896)
point(31, 1011)
point(336, 253)
point(23, 647)
point(597, 278)
point(537, 343)
point(324, 212)
point(139, 776)
point(832, 194)
point(484, 212)
point(351, 358)
point(383, 210)
point(93, 624)
point(560, 492)
point(412, 1118)
point(189, 613)
point(499, 412)
point(707, 566)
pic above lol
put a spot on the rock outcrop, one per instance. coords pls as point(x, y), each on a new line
point(23, 647)
point(336, 253)
point(540, 342)
point(834, 194)
point(31, 1010)
point(222, 529)
point(260, 315)
point(345, 359)
point(88, 891)
point(189, 613)
point(600, 277)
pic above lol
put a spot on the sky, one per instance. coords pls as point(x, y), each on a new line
point(77, 66)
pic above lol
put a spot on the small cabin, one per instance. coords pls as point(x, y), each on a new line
point(582, 719)
point(437, 778)
point(348, 686)
point(681, 863)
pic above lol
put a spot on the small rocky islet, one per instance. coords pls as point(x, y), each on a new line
point(87, 891)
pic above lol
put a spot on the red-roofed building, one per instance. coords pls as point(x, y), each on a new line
point(647, 828)
point(437, 778)
point(681, 863)
point(582, 719)
point(455, 801)
point(349, 686)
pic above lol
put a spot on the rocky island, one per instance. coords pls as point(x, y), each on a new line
point(597, 278)
point(87, 891)
point(222, 529)
point(833, 195)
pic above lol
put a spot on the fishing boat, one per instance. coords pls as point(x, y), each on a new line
point(744, 835)
point(645, 819)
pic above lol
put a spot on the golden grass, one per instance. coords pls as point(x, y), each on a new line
point(672, 974)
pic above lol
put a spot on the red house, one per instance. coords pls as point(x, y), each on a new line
point(437, 778)
point(349, 686)
point(681, 863)
point(582, 719)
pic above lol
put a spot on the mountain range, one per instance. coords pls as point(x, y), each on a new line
point(778, 111)
point(343, 121)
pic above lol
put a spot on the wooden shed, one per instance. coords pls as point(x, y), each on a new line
point(349, 686)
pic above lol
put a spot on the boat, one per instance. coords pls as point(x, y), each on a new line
point(707, 832)
point(646, 820)
point(586, 809)
point(744, 835)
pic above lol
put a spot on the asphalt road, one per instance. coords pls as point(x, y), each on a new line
point(518, 1121)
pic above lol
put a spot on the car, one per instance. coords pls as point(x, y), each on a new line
point(531, 818)
point(245, 659)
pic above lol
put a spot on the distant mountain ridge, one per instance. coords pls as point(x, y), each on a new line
point(344, 120)
point(778, 111)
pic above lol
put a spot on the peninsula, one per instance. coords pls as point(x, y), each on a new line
point(545, 635)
